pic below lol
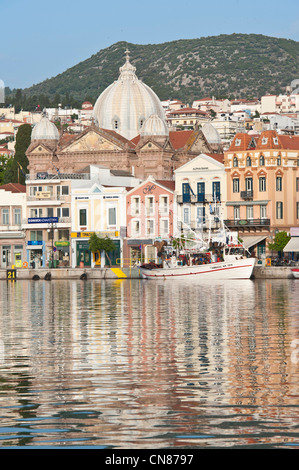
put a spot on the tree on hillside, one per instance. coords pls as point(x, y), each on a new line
point(16, 168)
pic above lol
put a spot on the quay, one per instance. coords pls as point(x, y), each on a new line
point(259, 272)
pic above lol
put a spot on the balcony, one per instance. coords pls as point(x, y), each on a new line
point(248, 224)
point(198, 198)
point(247, 195)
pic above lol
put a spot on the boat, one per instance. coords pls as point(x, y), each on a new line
point(233, 266)
point(295, 272)
point(211, 255)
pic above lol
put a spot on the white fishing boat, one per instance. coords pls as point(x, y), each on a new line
point(295, 272)
point(232, 267)
point(211, 256)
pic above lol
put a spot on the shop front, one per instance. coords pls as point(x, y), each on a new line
point(83, 257)
point(36, 251)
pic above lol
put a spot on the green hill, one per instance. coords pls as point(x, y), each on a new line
point(234, 66)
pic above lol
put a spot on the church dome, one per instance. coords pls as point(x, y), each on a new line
point(154, 125)
point(45, 130)
point(211, 134)
point(126, 104)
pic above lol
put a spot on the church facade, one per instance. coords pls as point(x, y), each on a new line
point(129, 132)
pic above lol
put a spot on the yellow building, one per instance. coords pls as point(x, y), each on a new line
point(262, 179)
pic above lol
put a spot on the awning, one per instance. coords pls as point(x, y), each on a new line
point(248, 242)
point(293, 245)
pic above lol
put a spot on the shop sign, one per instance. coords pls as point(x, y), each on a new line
point(43, 220)
point(35, 242)
point(62, 243)
point(99, 234)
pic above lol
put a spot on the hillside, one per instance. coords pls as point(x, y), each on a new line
point(234, 66)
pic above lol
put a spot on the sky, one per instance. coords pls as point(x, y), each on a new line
point(43, 39)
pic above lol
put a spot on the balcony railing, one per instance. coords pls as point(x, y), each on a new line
point(247, 194)
point(198, 198)
point(247, 223)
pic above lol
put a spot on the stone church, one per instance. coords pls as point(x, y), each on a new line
point(128, 133)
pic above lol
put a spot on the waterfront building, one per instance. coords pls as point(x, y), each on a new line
point(262, 175)
point(12, 236)
point(101, 209)
point(151, 211)
point(186, 118)
point(200, 187)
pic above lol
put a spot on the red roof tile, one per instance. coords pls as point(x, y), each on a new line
point(14, 187)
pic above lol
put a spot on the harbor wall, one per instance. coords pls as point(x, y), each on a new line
point(259, 272)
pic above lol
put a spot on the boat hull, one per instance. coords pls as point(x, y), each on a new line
point(236, 269)
point(295, 273)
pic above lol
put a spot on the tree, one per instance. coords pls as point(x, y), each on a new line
point(97, 244)
point(16, 168)
point(280, 241)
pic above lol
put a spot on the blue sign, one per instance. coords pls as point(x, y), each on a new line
point(43, 220)
point(35, 242)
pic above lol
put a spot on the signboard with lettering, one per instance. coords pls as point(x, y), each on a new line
point(43, 220)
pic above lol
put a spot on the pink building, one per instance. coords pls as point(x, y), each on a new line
point(150, 219)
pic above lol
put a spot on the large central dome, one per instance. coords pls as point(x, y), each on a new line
point(126, 104)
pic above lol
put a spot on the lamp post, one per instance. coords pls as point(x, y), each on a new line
point(52, 226)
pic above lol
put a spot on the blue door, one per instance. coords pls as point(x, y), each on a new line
point(200, 192)
point(216, 191)
point(186, 192)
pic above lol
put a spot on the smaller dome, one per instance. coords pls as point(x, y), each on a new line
point(45, 130)
point(154, 125)
point(211, 134)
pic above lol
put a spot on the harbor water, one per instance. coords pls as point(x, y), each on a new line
point(136, 364)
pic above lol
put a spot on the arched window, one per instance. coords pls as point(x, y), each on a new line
point(262, 160)
point(235, 162)
point(248, 161)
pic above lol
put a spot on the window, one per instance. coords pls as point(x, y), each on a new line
point(164, 226)
point(278, 160)
point(263, 212)
point(235, 162)
point(249, 212)
point(65, 212)
point(164, 204)
point(249, 184)
point(150, 227)
point(5, 216)
point(186, 192)
point(186, 215)
point(236, 212)
point(33, 190)
point(297, 210)
point(17, 216)
point(36, 212)
point(63, 234)
point(262, 184)
point(112, 216)
point(36, 235)
point(62, 191)
point(278, 183)
point(135, 227)
point(236, 185)
point(135, 205)
point(200, 216)
point(150, 205)
point(297, 184)
point(201, 192)
point(248, 161)
point(50, 212)
point(279, 210)
point(83, 217)
point(262, 160)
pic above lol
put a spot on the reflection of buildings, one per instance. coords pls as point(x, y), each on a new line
point(137, 363)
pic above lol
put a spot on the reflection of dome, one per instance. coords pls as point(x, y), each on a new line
point(211, 134)
point(154, 125)
point(45, 130)
point(126, 104)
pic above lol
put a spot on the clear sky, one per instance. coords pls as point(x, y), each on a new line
point(43, 38)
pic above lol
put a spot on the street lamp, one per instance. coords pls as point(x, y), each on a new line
point(52, 226)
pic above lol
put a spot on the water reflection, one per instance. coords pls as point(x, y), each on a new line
point(148, 364)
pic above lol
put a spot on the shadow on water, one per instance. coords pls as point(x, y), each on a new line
point(141, 364)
